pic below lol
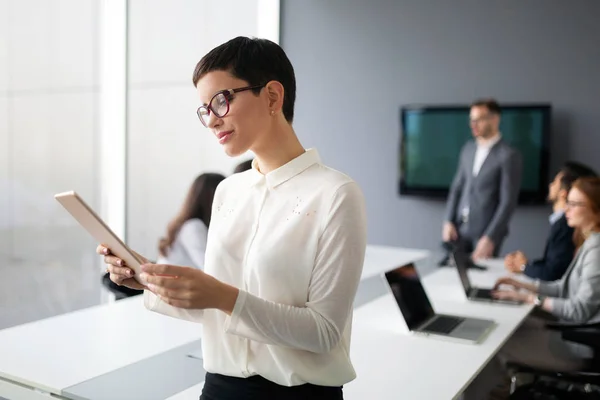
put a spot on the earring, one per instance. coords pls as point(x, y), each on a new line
point(272, 112)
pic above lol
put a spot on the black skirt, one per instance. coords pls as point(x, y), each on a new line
point(222, 387)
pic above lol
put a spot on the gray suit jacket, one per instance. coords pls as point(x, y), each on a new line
point(491, 196)
point(576, 296)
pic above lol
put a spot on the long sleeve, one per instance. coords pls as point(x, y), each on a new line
point(559, 254)
point(318, 325)
point(550, 289)
point(581, 305)
point(154, 303)
point(510, 185)
point(192, 236)
point(456, 189)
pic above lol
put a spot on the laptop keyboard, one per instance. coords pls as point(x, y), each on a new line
point(443, 324)
point(483, 293)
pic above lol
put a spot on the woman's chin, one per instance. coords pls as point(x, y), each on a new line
point(233, 151)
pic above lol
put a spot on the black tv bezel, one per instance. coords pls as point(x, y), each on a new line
point(529, 197)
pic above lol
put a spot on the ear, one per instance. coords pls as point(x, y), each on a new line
point(275, 94)
point(496, 119)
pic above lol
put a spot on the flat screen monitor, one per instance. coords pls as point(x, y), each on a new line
point(432, 138)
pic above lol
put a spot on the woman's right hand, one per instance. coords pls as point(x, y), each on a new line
point(508, 281)
point(118, 271)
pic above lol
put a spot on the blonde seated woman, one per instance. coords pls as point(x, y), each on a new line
point(575, 298)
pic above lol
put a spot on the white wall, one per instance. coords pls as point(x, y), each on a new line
point(168, 147)
point(49, 95)
point(4, 174)
point(48, 127)
point(4, 141)
point(51, 133)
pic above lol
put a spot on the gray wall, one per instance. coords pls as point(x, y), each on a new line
point(358, 61)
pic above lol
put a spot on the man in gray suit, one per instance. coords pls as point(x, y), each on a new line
point(485, 189)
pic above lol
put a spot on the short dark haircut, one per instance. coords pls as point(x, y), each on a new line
point(571, 171)
point(256, 61)
point(491, 104)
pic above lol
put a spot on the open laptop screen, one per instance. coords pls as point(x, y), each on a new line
point(461, 260)
point(410, 295)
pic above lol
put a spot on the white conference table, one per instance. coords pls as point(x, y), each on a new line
point(58, 353)
point(77, 353)
point(191, 393)
point(379, 259)
point(392, 364)
point(108, 345)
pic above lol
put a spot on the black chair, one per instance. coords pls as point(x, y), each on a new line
point(448, 248)
point(571, 385)
point(452, 247)
point(120, 292)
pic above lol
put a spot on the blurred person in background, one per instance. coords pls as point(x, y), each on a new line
point(185, 241)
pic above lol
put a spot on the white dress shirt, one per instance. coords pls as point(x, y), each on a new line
point(189, 245)
point(293, 241)
point(482, 151)
point(555, 216)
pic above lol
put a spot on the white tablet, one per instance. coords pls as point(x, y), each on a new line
point(99, 230)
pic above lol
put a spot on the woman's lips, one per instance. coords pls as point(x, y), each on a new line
point(224, 136)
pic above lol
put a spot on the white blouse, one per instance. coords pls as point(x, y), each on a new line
point(293, 241)
point(189, 245)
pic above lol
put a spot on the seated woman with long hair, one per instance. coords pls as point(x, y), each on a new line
point(185, 242)
point(575, 298)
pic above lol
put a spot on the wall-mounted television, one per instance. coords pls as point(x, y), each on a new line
point(432, 137)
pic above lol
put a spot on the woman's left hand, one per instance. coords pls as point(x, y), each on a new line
point(511, 295)
point(186, 287)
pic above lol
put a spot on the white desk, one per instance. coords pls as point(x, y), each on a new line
point(191, 393)
point(445, 282)
point(60, 352)
point(75, 349)
point(379, 259)
point(392, 364)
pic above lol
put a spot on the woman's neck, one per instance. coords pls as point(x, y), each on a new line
point(282, 147)
point(588, 230)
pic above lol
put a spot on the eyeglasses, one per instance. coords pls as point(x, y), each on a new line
point(480, 119)
point(219, 104)
point(573, 204)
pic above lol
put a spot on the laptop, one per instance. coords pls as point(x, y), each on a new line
point(461, 261)
point(419, 315)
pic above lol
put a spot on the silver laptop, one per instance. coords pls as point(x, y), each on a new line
point(461, 260)
point(420, 317)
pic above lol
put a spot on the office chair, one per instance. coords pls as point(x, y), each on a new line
point(448, 247)
point(451, 247)
point(120, 292)
point(572, 385)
